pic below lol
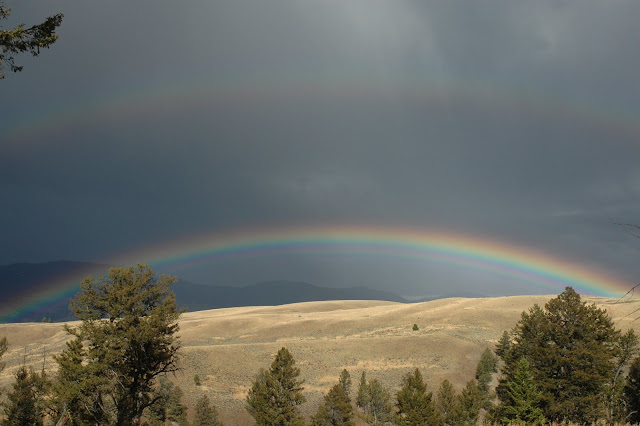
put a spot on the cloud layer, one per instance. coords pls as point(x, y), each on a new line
point(154, 120)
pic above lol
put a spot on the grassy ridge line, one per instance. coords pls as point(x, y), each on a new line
point(226, 347)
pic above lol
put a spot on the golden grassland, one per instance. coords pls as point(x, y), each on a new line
point(226, 347)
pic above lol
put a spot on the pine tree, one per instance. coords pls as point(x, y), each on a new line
point(129, 321)
point(616, 402)
point(336, 409)
point(345, 382)
point(415, 405)
point(469, 403)
point(632, 391)
point(503, 345)
point(167, 404)
point(24, 403)
point(380, 403)
point(206, 414)
point(447, 403)
point(79, 389)
point(521, 404)
point(487, 365)
point(20, 39)
point(363, 400)
point(574, 351)
point(275, 394)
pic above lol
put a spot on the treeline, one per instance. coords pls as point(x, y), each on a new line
point(564, 362)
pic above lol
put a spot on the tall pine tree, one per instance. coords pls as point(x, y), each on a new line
point(345, 382)
point(447, 403)
point(487, 365)
point(206, 414)
point(276, 393)
point(521, 405)
point(468, 405)
point(335, 410)
point(573, 349)
point(363, 399)
point(24, 405)
point(125, 341)
point(380, 407)
point(415, 404)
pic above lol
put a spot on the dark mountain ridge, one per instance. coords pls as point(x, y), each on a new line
point(23, 283)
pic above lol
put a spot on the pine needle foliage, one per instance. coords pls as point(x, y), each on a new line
point(21, 39)
point(276, 393)
point(380, 407)
point(447, 403)
point(206, 414)
point(335, 410)
point(24, 404)
point(468, 405)
point(415, 405)
point(345, 382)
point(574, 352)
point(632, 391)
point(487, 365)
point(522, 399)
point(167, 405)
point(503, 345)
point(126, 340)
point(363, 399)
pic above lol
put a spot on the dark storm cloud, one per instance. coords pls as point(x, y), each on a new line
point(509, 120)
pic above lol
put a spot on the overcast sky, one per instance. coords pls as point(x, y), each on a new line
point(150, 121)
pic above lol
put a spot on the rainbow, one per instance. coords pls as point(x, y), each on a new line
point(211, 94)
point(548, 273)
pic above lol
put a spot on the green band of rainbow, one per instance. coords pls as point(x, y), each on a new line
point(548, 273)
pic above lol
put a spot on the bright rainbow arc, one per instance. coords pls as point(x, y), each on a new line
point(469, 251)
point(546, 272)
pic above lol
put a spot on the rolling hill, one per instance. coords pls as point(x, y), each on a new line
point(226, 347)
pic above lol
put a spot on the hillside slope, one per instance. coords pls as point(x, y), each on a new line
point(226, 347)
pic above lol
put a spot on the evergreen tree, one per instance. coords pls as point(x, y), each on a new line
point(176, 410)
point(24, 403)
point(20, 39)
point(275, 394)
point(616, 402)
point(521, 404)
point(380, 403)
point(206, 414)
point(487, 365)
point(79, 389)
point(447, 403)
point(573, 349)
point(345, 382)
point(336, 409)
point(503, 345)
point(469, 403)
point(632, 391)
point(415, 405)
point(167, 404)
point(363, 400)
point(129, 321)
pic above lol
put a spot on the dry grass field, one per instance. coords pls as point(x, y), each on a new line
point(226, 347)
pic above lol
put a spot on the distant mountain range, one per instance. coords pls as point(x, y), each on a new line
point(23, 284)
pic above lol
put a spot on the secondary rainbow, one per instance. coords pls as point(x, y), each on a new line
point(548, 273)
point(211, 94)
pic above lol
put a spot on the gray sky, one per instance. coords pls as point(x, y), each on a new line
point(150, 121)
